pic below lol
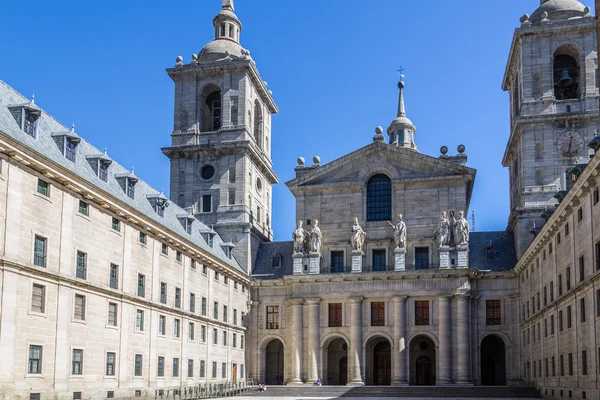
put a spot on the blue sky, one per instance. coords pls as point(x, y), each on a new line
point(330, 64)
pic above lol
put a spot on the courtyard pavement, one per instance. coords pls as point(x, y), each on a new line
point(266, 397)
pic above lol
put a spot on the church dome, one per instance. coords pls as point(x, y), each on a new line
point(220, 48)
point(227, 36)
point(559, 10)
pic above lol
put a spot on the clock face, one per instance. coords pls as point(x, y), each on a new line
point(570, 143)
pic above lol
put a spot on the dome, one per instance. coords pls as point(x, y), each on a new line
point(401, 122)
point(220, 48)
point(559, 10)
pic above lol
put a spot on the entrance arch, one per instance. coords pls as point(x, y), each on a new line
point(379, 361)
point(493, 361)
point(274, 361)
point(422, 361)
point(335, 362)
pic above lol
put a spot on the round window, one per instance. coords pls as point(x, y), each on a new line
point(207, 172)
point(258, 185)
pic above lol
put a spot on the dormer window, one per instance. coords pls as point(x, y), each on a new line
point(67, 142)
point(127, 182)
point(208, 235)
point(159, 203)
point(27, 116)
point(100, 164)
point(186, 221)
point(277, 261)
point(227, 249)
point(491, 251)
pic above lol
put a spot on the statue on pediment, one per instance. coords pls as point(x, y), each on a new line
point(316, 239)
point(299, 236)
point(442, 233)
point(358, 236)
point(461, 229)
point(399, 232)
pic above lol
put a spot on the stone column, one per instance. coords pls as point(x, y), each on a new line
point(314, 326)
point(463, 341)
point(297, 340)
point(399, 375)
point(355, 350)
point(445, 338)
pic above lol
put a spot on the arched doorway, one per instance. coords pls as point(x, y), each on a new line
point(274, 363)
point(493, 361)
point(422, 361)
point(379, 361)
point(335, 361)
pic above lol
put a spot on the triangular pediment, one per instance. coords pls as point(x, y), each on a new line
point(400, 164)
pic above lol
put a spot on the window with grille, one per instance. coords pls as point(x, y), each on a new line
point(162, 322)
point(568, 275)
point(225, 313)
point(84, 208)
point(379, 260)
point(130, 185)
point(81, 270)
point(272, 317)
point(79, 313)
point(35, 359)
point(39, 252)
point(165, 249)
point(493, 314)
point(216, 310)
point(175, 367)
point(190, 373)
point(234, 341)
point(377, 313)
point(138, 365)
point(224, 338)
point(242, 342)
point(422, 312)
point(110, 363)
point(379, 198)
point(421, 257)
point(43, 187)
point(35, 396)
point(116, 224)
point(114, 276)
point(38, 298)
point(110, 394)
point(176, 328)
point(139, 320)
point(76, 395)
point(112, 314)
point(203, 333)
point(203, 306)
point(191, 331)
point(160, 371)
point(214, 369)
point(202, 368)
point(77, 362)
point(234, 316)
point(215, 336)
point(337, 261)
point(142, 238)
point(70, 146)
point(569, 324)
point(163, 293)
point(335, 314)
point(582, 309)
point(103, 171)
point(223, 370)
point(178, 256)
point(141, 285)
point(192, 302)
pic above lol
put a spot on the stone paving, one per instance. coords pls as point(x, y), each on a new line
point(266, 397)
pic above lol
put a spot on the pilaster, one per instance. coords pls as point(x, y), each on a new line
point(445, 340)
point(400, 351)
point(355, 350)
point(463, 340)
point(314, 326)
point(296, 340)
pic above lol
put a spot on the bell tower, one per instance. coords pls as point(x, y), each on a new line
point(220, 153)
point(552, 80)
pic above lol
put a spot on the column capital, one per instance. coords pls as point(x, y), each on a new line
point(312, 300)
point(254, 303)
point(463, 296)
point(399, 299)
point(295, 302)
point(445, 297)
point(356, 299)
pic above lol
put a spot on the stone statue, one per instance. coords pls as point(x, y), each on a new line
point(316, 239)
point(299, 236)
point(358, 236)
point(461, 229)
point(442, 233)
point(399, 232)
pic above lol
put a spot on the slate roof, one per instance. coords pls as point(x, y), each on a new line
point(263, 267)
point(45, 145)
point(502, 241)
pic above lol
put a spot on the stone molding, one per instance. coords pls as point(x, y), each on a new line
point(355, 299)
point(313, 300)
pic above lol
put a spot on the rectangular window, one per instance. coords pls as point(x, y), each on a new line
point(177, 298)
point(234, 316)
point(379, 260)
point(112, 314)
point(176, 327)
point(570, 363)
point(161, 366)
point(242, 342)
point(203, 334)
point(138, 365)
point(545, 327)
point(39, 252)
point(191, 331)
point(114, 276)
point(551, 291)
point(421, 257)
point(79, 313)
point(202, 368)
point(178, 256)
point(545, 296)
point(584, 369)
point(337, 261)
point(223, 370)
point(175, 367)
point(130, 184)
point(203, 306)
point(234, 341)
point(103, 171)
point(43, 187)
point(162, 322)
point(204, 269)
point(580, 215)
point(559, 285)
point(562, 365)
point(335, 314)
point(377, 313)
point(550, 248)
point(215, 336)
point(242, 371)
point(553, 366)
point(216, 310)
point(225, 313)
point(190, 368)
point(272, 317)
point(163, 293)
point(143, 238)
point(164, 249)
point(582, 309)
point(568, 317)
point(139, 320)
point(110, 364)
point(35, 359)
point(141, 285)
point(597, 302)
point(84, 208)
point(81, 270)
point(206, 203)
point(422, 312)
point(552, 324)
point(193, 264)
point(493, 314)
point(566, 229)
point(568, 275)
point(581, 269)
point(224, 338)
point(558, 238)
point(560, 321)
point(231, 197)
point(116, 224)
point(214, 369)
point(38, 298)
point(77, 362)
point(217, 276)
point(596, 196)
point(192, 302)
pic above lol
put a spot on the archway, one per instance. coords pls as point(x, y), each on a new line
point(493, 361)
point(274, 363)
point(335, 361)
point(422, 361)
point(379, 361)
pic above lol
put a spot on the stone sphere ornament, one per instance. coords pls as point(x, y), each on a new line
point(317, 160)
point(301, 161)
point(379, 130)
point(461, 148)
point(444, 150)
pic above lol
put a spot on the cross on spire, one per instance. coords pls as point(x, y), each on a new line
point(401, 72)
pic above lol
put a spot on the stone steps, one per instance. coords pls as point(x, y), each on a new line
point(506, 392)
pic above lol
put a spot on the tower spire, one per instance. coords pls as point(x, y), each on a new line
point(401, 130)
point(401, 109)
